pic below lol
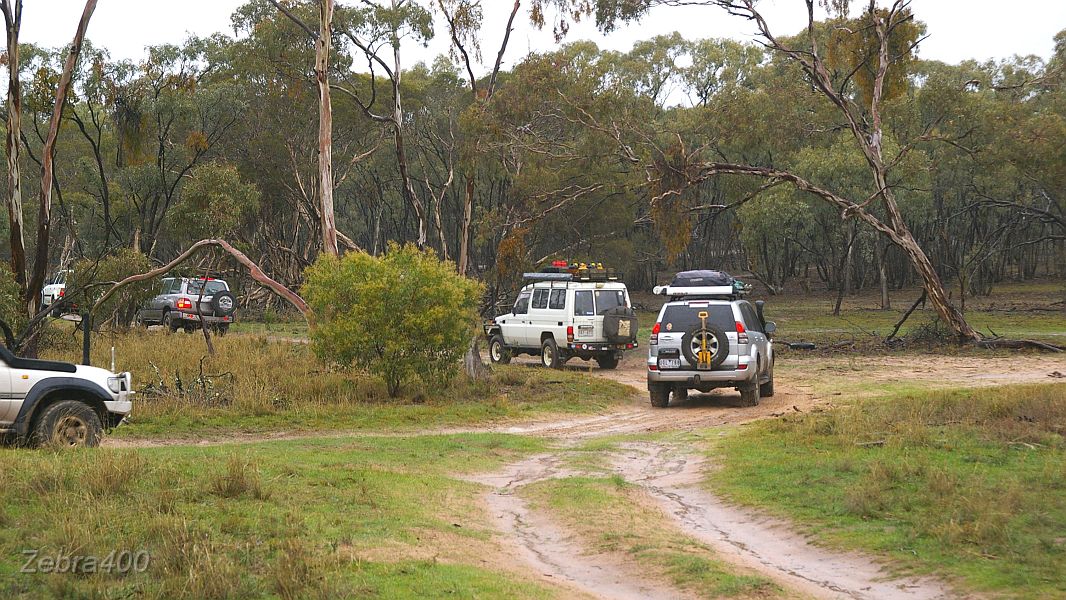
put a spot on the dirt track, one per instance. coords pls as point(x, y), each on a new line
point(671, 477)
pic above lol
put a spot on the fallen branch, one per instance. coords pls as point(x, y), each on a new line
point(253, 269)
point(1019, 345)
point(906, 315)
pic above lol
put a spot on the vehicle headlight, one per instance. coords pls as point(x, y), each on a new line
point(115, 383)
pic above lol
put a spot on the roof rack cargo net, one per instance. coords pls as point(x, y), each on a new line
point(704, 284)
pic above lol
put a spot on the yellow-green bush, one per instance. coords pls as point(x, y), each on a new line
point(400, 316)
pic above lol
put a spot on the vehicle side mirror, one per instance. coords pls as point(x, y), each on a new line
point(770, 327)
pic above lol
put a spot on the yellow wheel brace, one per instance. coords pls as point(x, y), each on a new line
point(704, 357)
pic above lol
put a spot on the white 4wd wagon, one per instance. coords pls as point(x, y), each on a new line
point(560, 317)
point(44, 402)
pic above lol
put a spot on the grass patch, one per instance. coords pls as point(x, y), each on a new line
point(255, 384)
point(374, 517)
point(610, 515)
point(966, 484)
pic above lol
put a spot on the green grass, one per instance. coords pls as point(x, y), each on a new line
point(256, 384)
point(610, 516)
point(372, 517)
point(968, 485)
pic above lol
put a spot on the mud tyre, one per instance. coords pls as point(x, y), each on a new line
point(170, 325)
point(607, 361)
point(660, 394)
point(549, 354)
point(749, 395)
point(498, 352)
point(68, 424)
point(766, 390)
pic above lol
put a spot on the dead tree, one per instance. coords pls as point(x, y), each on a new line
point(13, 23)
point(44, 215)
point(323, 39)
point(866, 127)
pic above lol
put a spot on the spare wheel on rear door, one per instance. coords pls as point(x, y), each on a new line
point(620, 325)
point(716, 341)
point(224, 303)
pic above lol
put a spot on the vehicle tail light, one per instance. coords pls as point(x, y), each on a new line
point(742, 367)
point(655, 334)
point(742, 334)
point(570, 333)
point(62, 292)
point(184, 304)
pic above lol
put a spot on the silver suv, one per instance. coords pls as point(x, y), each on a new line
point(186, 303)
point(708, 338)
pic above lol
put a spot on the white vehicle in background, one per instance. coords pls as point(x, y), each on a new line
point(54, 289)
point(568, 312)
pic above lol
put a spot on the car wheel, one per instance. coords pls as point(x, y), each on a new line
point(549, 354)
point(222, 330)
point(680, 394)
point(660, 394)
point(169, 324)
point(68, 423)
point(607, 361)
point(749, 394)
point(766, 390)
point(498, 352)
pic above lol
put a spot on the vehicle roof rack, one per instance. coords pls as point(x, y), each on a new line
point(712, 292)
point(548, 276)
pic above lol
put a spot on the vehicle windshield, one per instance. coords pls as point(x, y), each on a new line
point(213, 287)
point(682, 318)
point(608, 299)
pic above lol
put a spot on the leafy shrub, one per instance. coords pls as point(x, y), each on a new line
point(122, 307)
point(403, 315)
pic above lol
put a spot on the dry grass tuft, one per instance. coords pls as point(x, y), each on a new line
point(241, 478)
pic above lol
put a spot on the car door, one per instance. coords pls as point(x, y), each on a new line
point(155, 306)
point(584, 311)
point(756, 334)
point(541, 320)
point(513, 325)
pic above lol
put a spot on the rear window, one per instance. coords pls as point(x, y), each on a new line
point(608, 299)
point(683, 318)
point(583, 306)
point(213, 287)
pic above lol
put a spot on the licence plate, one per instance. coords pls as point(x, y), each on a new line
point(584, 330)
point(669, 363)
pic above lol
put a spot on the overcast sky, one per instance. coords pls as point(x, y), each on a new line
point(959, 29)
